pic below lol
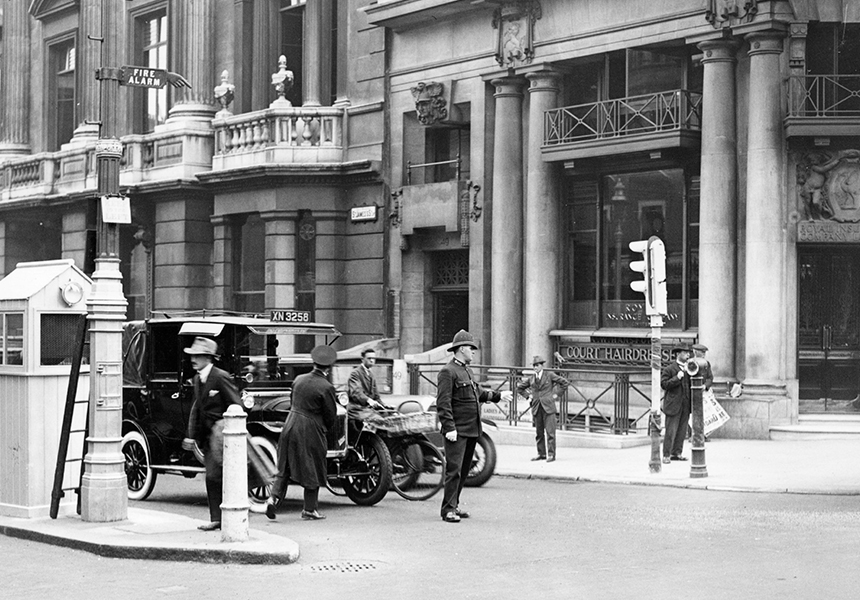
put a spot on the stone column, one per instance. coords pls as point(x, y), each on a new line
point(541, 285)
point(89, 59)
point(15, 79)
point(765, 282)
point(718, 207)
point(507, 228)
point(343, 33)
point(265, 53)
point(313, 53)
point(193, 24)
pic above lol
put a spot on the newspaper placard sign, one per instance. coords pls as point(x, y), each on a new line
point(715, 416)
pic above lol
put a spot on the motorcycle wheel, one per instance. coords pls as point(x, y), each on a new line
point(138, 467)
point(368, 483)
point(418, 470)
point(483, 462)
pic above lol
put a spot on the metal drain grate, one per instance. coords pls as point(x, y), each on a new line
point(343, 567)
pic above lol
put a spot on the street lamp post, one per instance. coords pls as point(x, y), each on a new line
point(104, 487)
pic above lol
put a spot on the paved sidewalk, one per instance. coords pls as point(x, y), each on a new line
point(805, 467)
point(152, 534)
point(798, 467)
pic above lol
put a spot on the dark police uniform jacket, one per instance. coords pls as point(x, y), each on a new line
point(458, 400)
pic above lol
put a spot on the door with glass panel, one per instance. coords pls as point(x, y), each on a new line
point(828, 335)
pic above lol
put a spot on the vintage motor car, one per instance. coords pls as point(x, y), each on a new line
point(484, 459)
point(158, 392)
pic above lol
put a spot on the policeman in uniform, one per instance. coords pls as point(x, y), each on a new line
point(458, 401)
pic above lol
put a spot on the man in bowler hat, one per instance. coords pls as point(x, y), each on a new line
point(214, 392)
point(541, 389)
point(676, 404)
point(458, 401)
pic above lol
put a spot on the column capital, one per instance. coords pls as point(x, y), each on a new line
point(508, 86)
point(719, 50)
point(544, 81)
point(765, 42)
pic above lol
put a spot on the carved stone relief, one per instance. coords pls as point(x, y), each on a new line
point(828, 186)
point(725, 13)
point(430, 102)
point(515, 22)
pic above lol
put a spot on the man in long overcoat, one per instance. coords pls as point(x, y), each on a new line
point(676, 404)
point(541, 389)
point(214, 392)
point(303, 441)
point(458, 400)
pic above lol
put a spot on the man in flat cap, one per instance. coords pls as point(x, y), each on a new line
point(676, 404)
point(541, 389)
point(214, 392)
point(458, 400)
point(699, 351)
point(303, 441)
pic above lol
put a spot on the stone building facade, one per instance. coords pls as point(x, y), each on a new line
point(413, 167)
point(532, 140)
point(242, 193)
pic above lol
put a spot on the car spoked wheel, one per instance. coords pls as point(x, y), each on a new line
point(258, 489)
point(370, 480)
point(138, 468)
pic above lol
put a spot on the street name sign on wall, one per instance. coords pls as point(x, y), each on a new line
point(145, 77)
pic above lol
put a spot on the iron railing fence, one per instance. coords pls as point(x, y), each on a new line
point(824, 96)
point(648, 113)
point(612, 401)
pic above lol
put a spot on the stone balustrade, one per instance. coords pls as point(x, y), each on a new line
point(277, 135)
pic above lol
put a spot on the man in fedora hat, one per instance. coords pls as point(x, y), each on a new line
point(699, 351)
point(458, 400)
point(214, 392)
point(676, 404)
point(541, 389)
point(303, 442)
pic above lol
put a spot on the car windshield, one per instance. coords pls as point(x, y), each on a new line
point(381, 371)
point(257, 356)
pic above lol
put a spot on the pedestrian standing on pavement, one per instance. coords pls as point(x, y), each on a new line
point(699, 351)
point(303, 442)
point(214, 392)
point(541, 389)
point(458, 401)
point(705, 372)
point(676, 404)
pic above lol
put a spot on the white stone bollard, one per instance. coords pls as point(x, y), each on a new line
point(234, 507)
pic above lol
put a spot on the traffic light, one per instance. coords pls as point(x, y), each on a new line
point(653, 269)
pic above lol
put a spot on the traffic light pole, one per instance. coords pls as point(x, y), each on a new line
point(104, 491)
point(654, 424)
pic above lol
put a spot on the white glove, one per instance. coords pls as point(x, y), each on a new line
point(451, 436)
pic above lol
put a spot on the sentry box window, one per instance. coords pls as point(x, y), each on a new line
point(12, 339)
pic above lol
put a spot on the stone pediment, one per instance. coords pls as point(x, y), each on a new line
point(45, 8)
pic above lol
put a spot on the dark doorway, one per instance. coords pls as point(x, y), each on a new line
point(828, 320)
point(450, 291)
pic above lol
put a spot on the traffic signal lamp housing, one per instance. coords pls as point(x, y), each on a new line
point(653, 269)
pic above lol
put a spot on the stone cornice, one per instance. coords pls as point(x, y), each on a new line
point(268, 175)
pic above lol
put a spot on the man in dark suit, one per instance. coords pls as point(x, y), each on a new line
point(541, 389)
point(676, 404)
point(214, 392)
point(361, 386)
point(458, 400)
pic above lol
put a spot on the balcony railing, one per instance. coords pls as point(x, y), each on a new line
point(297, 134)
point(650, 113)
point(824, 96)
